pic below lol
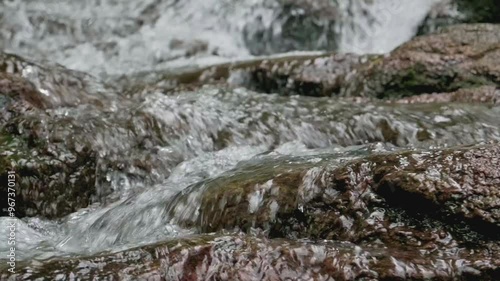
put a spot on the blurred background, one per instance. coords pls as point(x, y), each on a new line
point(112, 37)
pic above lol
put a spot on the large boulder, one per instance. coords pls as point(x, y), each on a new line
point(433, 201)
point(443, 177)
point(458, 58)
point(60, 136)
point(462, 56)
point(49, 181)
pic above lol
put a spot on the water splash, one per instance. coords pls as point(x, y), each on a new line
point(135, 36)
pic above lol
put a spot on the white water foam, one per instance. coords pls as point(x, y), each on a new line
point(120, 37)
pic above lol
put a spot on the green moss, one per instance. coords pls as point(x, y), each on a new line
point(420, 80)
point(480, 10)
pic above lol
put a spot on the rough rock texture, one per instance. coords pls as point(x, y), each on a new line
point(240, 257)
point(458, 57)
point(321, 76)
point(483, 94)
point(50, 182)
point(461, 183)
point(57, 85)
point(431, 202)
point(455, 59)
point(54, 133)
point(414, 215)
point(458, 184)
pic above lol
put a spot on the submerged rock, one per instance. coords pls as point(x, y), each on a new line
point(443, 177)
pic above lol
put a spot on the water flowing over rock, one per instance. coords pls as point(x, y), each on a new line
point(410, 214)
point(150, 143)
point(424, 202)
point(56, 85)
point(459, 58)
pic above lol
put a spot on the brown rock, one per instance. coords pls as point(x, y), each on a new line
point(458, 57)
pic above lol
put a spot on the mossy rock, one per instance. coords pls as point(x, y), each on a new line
point(458, 57)
point(402, 200)
point(47, 184)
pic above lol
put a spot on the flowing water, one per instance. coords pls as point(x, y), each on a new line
point(194, 140)
point(108, 37)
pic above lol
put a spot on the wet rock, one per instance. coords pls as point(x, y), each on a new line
point(459, 184)
point(48, 183)
point(55, 167)
point(241, 257)
point(321, 76)
point(443, 177)
point(315, 75)
point(484, 94)
point(458, 57)
point(295, 25)
point(57, 86)
point(433, 202)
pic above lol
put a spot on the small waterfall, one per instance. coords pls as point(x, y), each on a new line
point(135, 36)
point(379, 26)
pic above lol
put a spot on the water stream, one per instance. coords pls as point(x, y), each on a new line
point(194, 140)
